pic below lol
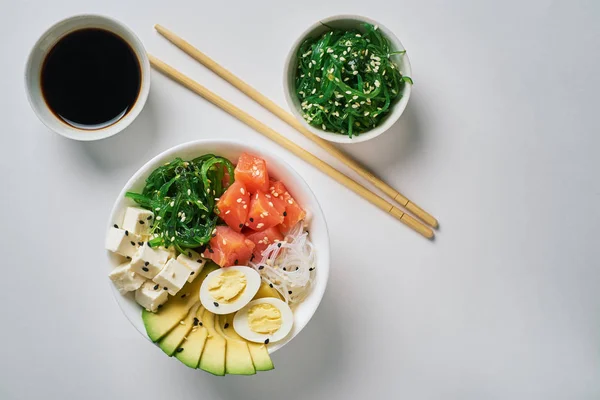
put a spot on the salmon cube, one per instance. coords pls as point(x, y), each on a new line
point(252, 172)
point(233, 206)
point(263, 214)
point(263, 239)
point(229, 247)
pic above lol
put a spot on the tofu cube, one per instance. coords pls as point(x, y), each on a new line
point(124, 279)
point(122, 242)
point(173, 276)
point(148, 261)
point(150, 296)
point(193, 261)
point(138, 220)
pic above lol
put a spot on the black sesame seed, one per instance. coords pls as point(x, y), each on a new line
point(200, 323)
point(270, 285)
point(216, 304)
point(266, 341)
point(211, 251)
point(199, 261)
point(192, 273)
point(251, 219)
point(147, 263)
point(149, 218)
point(179, 350)
point(214, 235)
point(129, 258)
point(126, 233)
point(116, 226)
point(226, 325)
point(145, 269)
point(235, 262)
point(156, 287)
point(141, 222)
point(297, 268)
point(289, 292)
point(141, 243)
point(284, 269)
point(278, 244)
point(165, 288)
point(285, 213)
point(252, 257)
point(261, 267)
point(310, 269)
point(196, 320)
point(183, 296)
point(132, 243)
point(160, 306)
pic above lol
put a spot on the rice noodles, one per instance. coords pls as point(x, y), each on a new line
point(289, 265)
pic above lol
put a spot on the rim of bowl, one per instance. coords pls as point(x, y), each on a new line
point(398, 108)
point(225, 142)
point(137, 46)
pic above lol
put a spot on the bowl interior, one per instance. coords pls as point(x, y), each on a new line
point(279, 170)
point(346, 22)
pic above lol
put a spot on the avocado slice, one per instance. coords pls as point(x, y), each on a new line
point(237, 357)
point(190, 350)
point(213, 357)
point(258, 351)
point(171, 342)
point(266, 291)
point(175, 309)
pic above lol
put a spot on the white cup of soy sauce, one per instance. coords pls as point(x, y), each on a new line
point(88, 77)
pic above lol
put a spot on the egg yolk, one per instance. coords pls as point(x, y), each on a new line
point(228, 286)
point(264, 318)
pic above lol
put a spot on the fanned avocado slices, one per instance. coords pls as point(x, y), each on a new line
point(176, 308)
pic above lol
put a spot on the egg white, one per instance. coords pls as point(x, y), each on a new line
point(253, 281)
point(241, 326)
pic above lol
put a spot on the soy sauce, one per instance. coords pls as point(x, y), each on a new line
point(91, 78)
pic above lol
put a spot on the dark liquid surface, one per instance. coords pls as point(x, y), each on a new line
point(91, 78)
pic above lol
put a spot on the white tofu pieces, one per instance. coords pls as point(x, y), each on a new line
point(124, 279)
point(150, 295)
point(122, 242)
point(148, 261)
point(173, 276)
point(138, 220)
point(193, 261)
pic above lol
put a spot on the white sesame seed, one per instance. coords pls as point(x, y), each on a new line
point(318, 79)
point(329, 50)
point(173, 239)
point(189, 192)
point(242, 191)
point(354, 97)
point(214, 231)
point(366, 113)
point(172, 203)
point(224, 242)
point(245, 206)
point(313, 91)
point(355, 72)
point(291, 201)
point(227, 212)
point(158, 218)
point(377, 83)
point(239, 200)
point(314, 62)
point(258, 226)
point(348, 92)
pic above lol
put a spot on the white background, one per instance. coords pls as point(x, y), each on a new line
point(500, 141)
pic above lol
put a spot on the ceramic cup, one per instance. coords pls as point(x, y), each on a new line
point(36, 59)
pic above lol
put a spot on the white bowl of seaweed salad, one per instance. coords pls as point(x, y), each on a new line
point(347, 79)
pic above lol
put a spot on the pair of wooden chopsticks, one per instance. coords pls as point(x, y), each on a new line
point(293, 122)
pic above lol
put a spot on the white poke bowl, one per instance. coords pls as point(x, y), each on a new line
point(279, 170)
point(346, 22)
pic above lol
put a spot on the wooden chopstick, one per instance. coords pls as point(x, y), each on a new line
point(289, 145)
point(294, 123)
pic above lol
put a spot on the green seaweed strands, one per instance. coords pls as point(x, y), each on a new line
point(182, 196)
point(345, 80)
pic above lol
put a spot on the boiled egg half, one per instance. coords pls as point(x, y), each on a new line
point(264, 320)
point(228, 289)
